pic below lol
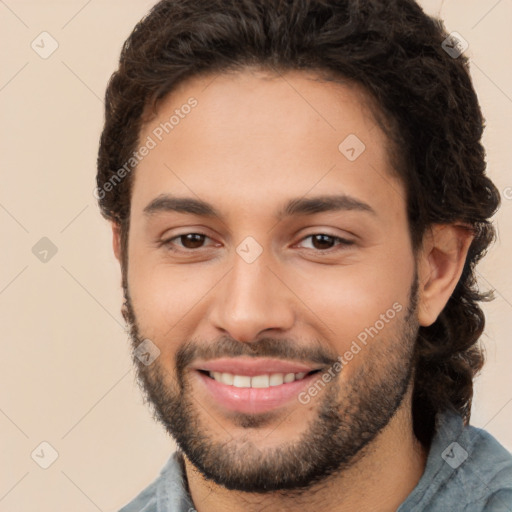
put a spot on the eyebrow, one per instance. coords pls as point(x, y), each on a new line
point(294, 207)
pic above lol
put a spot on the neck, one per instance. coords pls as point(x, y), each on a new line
point(379, 481)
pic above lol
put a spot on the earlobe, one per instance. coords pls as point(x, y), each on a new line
point(440, 265)
point(116, 240)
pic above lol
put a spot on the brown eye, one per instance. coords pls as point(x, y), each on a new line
point(192, 240)
point(324, 242)
point(186, 242)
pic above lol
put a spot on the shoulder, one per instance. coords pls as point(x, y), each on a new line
point(467, 470)
point(168, 490)
point(500, 501)
point(489, 462)
point(145, 501)
point(480, 469)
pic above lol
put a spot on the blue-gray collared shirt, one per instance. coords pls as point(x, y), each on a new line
point(467, 470)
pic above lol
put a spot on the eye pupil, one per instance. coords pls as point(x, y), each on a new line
point(325, 241)
point(192, 240)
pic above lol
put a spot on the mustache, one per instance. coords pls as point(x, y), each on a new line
point(277, 348)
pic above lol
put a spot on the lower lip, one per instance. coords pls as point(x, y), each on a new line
point(253, 400)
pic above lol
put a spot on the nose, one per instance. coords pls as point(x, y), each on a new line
point(252, 299)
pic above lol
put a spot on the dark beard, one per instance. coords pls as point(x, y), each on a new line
point(335, 439)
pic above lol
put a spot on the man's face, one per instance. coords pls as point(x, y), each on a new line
point(267, 289)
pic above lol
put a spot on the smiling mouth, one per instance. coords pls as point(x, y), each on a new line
point(265, 380)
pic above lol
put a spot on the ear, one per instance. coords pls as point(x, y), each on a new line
point(440, 264)
point(116, 240)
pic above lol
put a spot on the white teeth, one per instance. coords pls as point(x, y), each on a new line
point(227, 378)
point(276, 379)
point(241, 381)
point(258, 381)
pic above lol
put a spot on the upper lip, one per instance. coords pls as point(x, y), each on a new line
point(253, 366)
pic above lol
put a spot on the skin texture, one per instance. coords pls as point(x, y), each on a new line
point(253, 142)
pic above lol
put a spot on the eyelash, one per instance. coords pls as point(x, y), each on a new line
point(341, 242)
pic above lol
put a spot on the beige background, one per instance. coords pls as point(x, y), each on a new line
point(66, 375)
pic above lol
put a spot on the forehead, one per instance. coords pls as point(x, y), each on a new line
point(252, 138)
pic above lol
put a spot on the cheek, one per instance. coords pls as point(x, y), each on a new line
point(166, 299)
point(360, 302)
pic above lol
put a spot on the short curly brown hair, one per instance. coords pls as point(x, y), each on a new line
point(426, 104)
